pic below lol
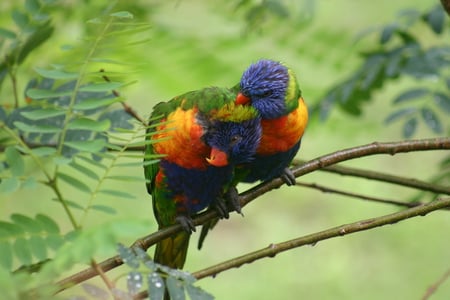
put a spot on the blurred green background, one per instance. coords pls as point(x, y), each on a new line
point(194, 44)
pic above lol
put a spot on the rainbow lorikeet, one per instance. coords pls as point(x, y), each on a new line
point(202, 135)
point(272, 89)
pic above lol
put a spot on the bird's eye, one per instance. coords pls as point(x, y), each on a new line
point(266, 93)
point(235, 139)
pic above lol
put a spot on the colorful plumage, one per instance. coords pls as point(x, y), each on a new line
point(202, 135)
point(272, 89)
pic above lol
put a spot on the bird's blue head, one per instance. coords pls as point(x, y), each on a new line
point(234, 137)
point(270, 87)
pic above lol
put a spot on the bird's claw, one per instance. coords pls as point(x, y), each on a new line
point(232, 196)
point(220, 206)
point(186, 223)
point(288, 177)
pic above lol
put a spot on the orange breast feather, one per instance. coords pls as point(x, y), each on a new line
point(281, 134)
point(180, 140)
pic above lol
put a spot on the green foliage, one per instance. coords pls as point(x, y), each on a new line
point(402, 53)
point(144, 270)
point(261, 15)
point(32, 29)
point(72, 128)
point(29, 240)
point(69, 135)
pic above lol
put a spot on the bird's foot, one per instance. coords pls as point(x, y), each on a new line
point(232, 196)
point(288, 177)
point(220, 206)
point(186, 223)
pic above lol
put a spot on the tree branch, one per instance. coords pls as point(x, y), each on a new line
point(312, 239)
point(128, 109)
point(255, 192)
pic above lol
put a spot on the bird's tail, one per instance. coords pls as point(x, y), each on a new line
point(205, 229)
point(172, 250)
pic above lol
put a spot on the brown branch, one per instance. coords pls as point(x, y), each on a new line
point(408, 182)
point(312, 239)
point(110, 285)
point(128, 109)
point(255, 192)
point(325, 189)
point(432, 289)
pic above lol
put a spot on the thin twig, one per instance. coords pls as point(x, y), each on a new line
point(128, 109)
point(359, 196)
point(255, 192)
point(433, 288)
point(109, 284)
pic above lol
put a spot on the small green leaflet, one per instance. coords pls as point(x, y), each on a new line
point(45, 113)
point(126, 178)
point(56, 74)
point(38, 247)
point(74, 182)
point(122, 15)
point(87, 146)
point(43, 94)
point(96, 103)
point(29, 224)
point(22, 251)
point(100, 87)
point(118, 194)
point(6, 255)
point(43, 151)
point(84, 170)
point(9, 185)
point(47, 223)
point(36, 128)
point(89, 124)
point(15, 161)
point(104, 208)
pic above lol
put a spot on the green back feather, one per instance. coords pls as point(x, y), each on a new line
point(293, 92)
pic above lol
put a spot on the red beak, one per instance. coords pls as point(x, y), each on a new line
point(217, 158)
point(242, 99)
